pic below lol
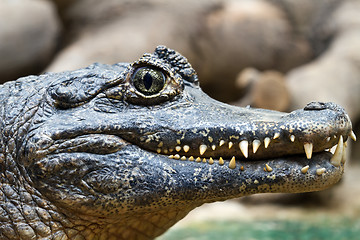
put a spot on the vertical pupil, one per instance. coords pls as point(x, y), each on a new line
point(148, 80)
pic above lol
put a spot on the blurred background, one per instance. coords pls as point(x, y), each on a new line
point(275, 54)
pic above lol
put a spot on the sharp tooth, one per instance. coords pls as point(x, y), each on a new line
point(191, 158)
point(221, 161)
point(211, 160)
point(266, 142)
point(222, 142)
point(353, 136)
point(213, 147)
point(256, 145)
point(178, 148)
point(171, 156)
point(332, 149)
point(336, 158)
point(232, 163)
point(305, 169)
point(345, 144)
point(276, 135)
point(160, 144)
point(230, 144)
point(202, 149)
point(344, 155)
point(292, 138)
point(308, 149)
point(268, 168)
point(158, 150)
point(186, 148)
point(198, 159)
point(244, 146)
point(328, 139)
point(183, 158)
point(204, 160)
point(320, 171)
point(177, 156)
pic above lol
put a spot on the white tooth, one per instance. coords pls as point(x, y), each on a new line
point(333, 148)
point(232, 163)
point(256, 145)
point(186, 148)
point(183, 158)
point(171, 156)
point(308, 149)
point(344, 155)
point(266, 142)
point(230, 144)
point(353, 136)
point(320, 171)
point(305, 169)
point(222, 142)
point(213, 147)
point(328, 139)
point(268, 168)
point(336, 158)
point(292, 138)
point(202, 149)
point(221, 161)
point(244, 146)
point(178, 148)
point(276, 135)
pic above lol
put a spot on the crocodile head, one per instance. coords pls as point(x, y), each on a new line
point(125, 151)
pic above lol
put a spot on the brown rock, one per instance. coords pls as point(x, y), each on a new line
point(28, 36)
point(263, 89)
point(335, 75)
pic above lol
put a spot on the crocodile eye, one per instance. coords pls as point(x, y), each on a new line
point(148, 81)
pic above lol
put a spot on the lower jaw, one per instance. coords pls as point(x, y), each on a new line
point(290, 174)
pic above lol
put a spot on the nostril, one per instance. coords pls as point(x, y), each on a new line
point(321, 106)
point(316, 106)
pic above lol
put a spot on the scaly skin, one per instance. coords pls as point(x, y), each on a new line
point(114, 152)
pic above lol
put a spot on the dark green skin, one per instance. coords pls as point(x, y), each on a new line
point(79, 151)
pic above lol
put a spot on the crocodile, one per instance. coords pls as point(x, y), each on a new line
point(125, 151)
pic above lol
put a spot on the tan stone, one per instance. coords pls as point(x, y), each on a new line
point(28, 36)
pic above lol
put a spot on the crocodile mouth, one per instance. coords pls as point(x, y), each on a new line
point(229, 152)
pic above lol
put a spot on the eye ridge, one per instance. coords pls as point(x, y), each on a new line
point(148, 81)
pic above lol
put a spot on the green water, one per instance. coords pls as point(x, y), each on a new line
point(326, 229)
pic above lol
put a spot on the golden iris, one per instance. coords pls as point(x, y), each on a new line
point(148, 81)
